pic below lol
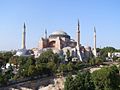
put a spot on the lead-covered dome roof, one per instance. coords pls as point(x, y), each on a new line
point(59, 34)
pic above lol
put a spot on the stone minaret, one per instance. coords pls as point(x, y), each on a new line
point(46, 40)
point(95, 53)
point(78, 34)
point(78, 42)
point(45, 33)
point(24, 37)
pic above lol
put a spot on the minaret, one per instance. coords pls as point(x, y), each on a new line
point(45, 33)
point(78, 34)
point(24, 37)
point(78, 43)
point(46, 40)
point(95, 53)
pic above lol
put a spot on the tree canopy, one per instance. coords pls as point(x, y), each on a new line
point(106, 78)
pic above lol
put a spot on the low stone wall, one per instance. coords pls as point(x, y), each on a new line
point(49, 83)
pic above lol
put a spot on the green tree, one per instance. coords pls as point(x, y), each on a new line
point(63, 68)
point(52, 66)
point(115, 58)
point(14, 60)
point(6, 56)
point(56, 59)
point(89, 85)
point(27, 66)
point(98, 61)
point(68, 53)
point(31, 70)
point(70, 66)
point(30, 61)
point(42, 69)
point(45, 57)
point(69, 83)
point(69, 57)
point(3, 81)
point(106, 78)
point(104, 51)
point(80, 65)
point(92, 61)
point(83, 81)
point(48, 56)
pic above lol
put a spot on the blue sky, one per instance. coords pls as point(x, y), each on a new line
point(59, 15)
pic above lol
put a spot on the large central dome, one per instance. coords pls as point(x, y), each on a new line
point(59, 33)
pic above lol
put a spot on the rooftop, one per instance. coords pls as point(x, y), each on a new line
point(59, 33)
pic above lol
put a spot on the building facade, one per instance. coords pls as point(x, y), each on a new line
point(60, 41)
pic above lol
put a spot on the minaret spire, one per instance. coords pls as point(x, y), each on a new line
point(78, 33)
point(46, 40)
point(78, 42)
point(95, 53)
point(24, 37)
point(45, 33)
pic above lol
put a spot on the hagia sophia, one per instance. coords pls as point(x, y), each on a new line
point(60, 42)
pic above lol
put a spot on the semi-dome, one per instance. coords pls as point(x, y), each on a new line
point(59, 33)
point(23, 52)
